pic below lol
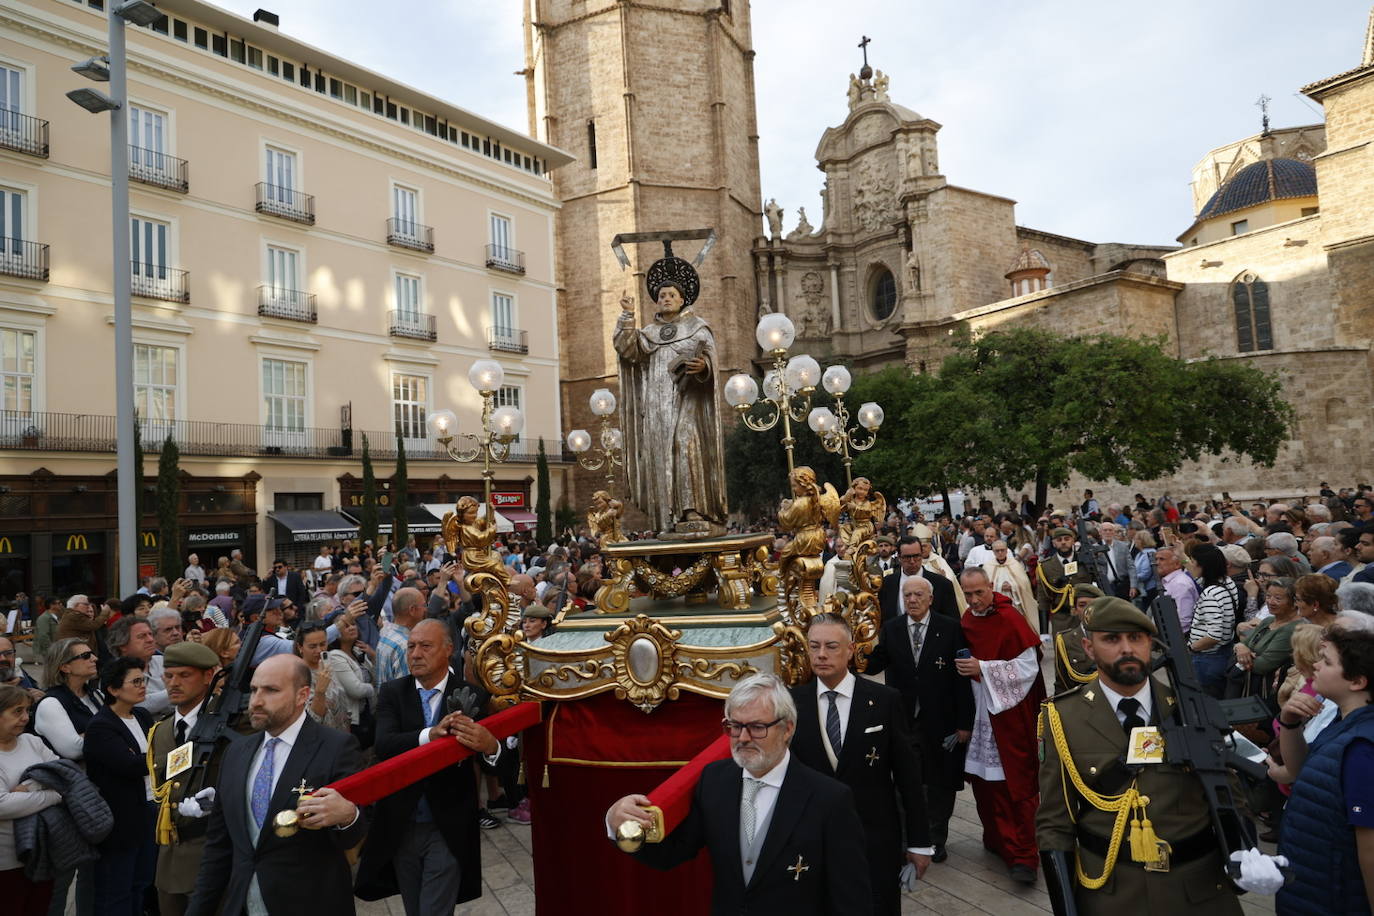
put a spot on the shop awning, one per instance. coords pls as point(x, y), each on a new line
point(316, 525)
point(419, 519)
point(523, 519)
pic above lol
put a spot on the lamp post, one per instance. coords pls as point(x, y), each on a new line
point(832, 426)
point(787, 387)
point(139, 12)
point(610, 453)
point(500, 425)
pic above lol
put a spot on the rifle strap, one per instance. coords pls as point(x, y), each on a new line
point(1129, 806)
point(162, 794)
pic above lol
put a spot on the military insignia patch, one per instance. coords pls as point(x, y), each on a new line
point(179, 760)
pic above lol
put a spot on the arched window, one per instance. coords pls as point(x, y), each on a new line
point(882, 298)
point(1250, 295)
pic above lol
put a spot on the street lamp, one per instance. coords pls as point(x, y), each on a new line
point(500, 425)
point(610, 453)
point(787, 387)
point(114, 69)
point(832, 426)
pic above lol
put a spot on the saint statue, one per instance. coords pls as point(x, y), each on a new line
point(774, 214)
point(674, 455)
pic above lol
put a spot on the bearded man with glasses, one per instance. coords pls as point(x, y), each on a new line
point(782, 837)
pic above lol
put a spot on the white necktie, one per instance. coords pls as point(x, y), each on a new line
point(747, 812)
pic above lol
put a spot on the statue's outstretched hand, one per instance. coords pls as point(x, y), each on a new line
point(627, 303)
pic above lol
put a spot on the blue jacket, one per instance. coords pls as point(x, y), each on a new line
point(1316, 835)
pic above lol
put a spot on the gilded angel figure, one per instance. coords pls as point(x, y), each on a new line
point(806, 515)
point(866, 507)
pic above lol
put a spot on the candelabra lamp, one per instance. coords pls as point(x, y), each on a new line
point(609, 453)
point(832, 426)
point(787, 387)
point(500, 425)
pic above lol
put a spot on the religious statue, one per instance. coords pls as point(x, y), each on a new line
point(674, 455)
point(604, 518)
point(866, 507)
point(487, 576)
point(913, 270)
point(774, 214)
point(805, 516)
point(855, 90)
point(880, 84)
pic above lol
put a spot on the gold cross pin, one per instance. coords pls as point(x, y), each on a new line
point(940, 663)
point(301, 791)
point(872, 757)
point(798, 868)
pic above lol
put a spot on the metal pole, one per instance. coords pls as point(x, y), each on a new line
point(123, 311)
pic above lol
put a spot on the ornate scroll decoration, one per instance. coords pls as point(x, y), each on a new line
point(805, 516)
point(860, 610)
point(498, 666)
point(764, 572)
point(588, 670)
point(642, 659)
point(614, 596)
point(794, 665)
point(666, 585)
point(706, 670)
point(732, 581)
point(487, 577)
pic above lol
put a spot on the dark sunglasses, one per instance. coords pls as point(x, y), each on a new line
point(88, 654)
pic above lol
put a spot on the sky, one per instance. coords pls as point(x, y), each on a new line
point(1090, 115)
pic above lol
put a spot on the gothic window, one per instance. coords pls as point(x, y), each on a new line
point(1250, 295)
point(882, 297)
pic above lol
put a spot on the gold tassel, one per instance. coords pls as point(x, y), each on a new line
point(166, 829)
point(1144, 841)
point(546, 775)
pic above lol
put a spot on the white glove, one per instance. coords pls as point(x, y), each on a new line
point(197, 805)
point(1258, 872)
point(907, 879)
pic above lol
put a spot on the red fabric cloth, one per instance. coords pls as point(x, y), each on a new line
point(587, 754)
point(674, 794)
point(1004, 634)
point(1008, 824)
point(365, 787)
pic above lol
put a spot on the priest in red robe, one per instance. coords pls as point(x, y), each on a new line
point(1002, 763)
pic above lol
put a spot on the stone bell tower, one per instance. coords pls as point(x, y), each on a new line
point(657, 104)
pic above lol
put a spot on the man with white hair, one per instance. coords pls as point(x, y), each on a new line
point(1325, 554)
point(1283, 543)
point(752, 808)
point(1009, 577)
point(1356, 596)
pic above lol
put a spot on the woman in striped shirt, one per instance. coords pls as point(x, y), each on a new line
point(1214, 618)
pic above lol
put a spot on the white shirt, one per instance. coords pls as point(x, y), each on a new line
point(767, 795)
point(287, 740)
point(435, 711)
point(845, 698)
point(979, 555)
point(323, 562)
point(281, 586)
point(1147, 702)
point(190, 720)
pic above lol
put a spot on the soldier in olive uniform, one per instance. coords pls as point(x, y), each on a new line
point(1072, 664)
point(1086, 743)
point(188, 669)
point(1056, 579)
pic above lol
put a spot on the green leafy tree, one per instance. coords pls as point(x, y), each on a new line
point(756, 465)
point(543, 517)
point(168, 507)
point(367, 522)
point(400, 531)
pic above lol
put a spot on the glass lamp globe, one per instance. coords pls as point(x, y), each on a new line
point(613, 439)
point(486, 375)
point(772, 385)
point(870, 415)
point(741, 390)
point(443, 423)
point(802, 373)
point(507, 421)
point(775, 332)
point(579, 440)
point(822, 421)
point(602, 402)
point(836, 380)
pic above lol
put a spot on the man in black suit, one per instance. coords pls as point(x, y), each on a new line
point(285, 582)
point(910, 557)
point(423, 841)
point(247, 867)
point(856, 731)
point(783, 838)
point(917, 651)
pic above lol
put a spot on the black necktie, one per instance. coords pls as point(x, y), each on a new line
point(832, 722)
point(181, 732)
point(1129, 708)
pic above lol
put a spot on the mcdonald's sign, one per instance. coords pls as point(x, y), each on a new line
point(77, 542)
point(150, 539)
point(5, 546)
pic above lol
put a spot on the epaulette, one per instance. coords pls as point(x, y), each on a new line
point(1070, 692)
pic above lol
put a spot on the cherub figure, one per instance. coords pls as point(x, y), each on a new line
point(604, 518)
point(866, 508)
point(806, 515)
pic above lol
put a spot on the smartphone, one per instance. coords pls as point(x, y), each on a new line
point(387, 561)
point(963, 653)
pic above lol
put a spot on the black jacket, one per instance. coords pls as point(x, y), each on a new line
point(295, 590)
point(118, 768)
point(878, 761)
point(814, 825)
point(890, 599)
point(452, 796)
point(945, 697)
point(305, 873)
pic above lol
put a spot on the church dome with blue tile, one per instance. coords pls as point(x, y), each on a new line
point(1261, 182)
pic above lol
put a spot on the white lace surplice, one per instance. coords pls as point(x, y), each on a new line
point(1003, 685)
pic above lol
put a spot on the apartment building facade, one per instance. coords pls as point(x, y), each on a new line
point(318, 253)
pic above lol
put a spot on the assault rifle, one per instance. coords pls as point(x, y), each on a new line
point(1091, 552)
point(1197, 737)
point(220, 712)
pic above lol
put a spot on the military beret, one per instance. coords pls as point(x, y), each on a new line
point(1091, 591)
point(537, 611)
point(922, 532)
point(1061, 532)
point(189, 655)
point(886, 539)
point(1117, 615)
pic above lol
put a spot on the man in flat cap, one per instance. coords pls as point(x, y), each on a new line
point(1056, 578)
point(1072, 664)
point(1102, 751)
point(188, 670)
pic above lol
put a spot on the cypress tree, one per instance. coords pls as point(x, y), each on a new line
point(543, 519)
point(399, 530)
point(168, 505)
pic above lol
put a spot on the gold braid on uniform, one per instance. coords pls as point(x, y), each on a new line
point(1146, 847)
point(1065, 594)
point(162, 794)
point(1067, 664)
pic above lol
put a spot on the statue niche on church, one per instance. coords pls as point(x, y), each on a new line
point(674, 455)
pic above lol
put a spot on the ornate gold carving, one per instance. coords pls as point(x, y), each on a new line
point(732, 581)
point(588, 670)
point(765, 572)
point(604, 518)
point(666, 585)
point(647, 696)
point(860, 610)
point(707, 670)
point(866, 508)
point(498, 666)
point(794, 665)
point(487, 576)
point(805, 515)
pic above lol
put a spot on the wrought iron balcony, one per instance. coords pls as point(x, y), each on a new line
point(158, 169)
point(508, 259)
point(507, 340)
point(19, 258)
point(288, 304)
point(24, 134)
point(412, 324)
point(83, 432)
point(406, 233)
point(153, 281)
point(275, 200)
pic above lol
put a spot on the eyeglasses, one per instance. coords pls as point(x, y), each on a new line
point(755, 729)
point(6, 653)
point(88, 654)
point(136, 682)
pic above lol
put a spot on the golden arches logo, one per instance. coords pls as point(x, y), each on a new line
point(149, 539)
point(77, 542)
point(5, 546)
